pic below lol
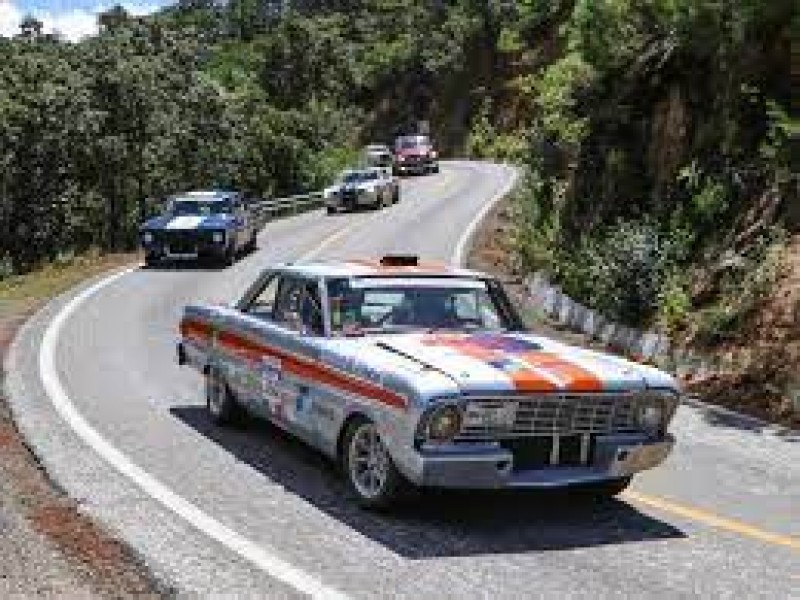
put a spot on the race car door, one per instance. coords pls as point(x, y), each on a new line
point(283, 388)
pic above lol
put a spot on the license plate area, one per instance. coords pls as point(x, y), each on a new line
point(541, 452)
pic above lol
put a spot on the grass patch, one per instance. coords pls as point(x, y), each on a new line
point(23, 294)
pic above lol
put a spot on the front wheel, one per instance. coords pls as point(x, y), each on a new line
point(220, 403)
point(370, 471)
point(229, 256)
point(252, 244)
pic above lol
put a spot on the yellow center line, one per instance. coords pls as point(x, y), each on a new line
point(330, 239)
point(709, 518)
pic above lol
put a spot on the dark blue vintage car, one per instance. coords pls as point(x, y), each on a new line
point(196, 225)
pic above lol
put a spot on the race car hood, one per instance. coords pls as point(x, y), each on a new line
point(509, 362)
point(184, 222)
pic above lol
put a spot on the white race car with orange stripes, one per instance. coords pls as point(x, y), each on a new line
point(415, 374)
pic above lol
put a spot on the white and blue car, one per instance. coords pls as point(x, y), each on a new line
point(205, 224)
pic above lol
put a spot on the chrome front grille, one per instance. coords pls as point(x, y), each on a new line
point(557, 415)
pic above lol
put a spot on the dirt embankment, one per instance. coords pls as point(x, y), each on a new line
point(770, 336)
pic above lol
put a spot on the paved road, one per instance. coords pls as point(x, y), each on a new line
point(720, 519)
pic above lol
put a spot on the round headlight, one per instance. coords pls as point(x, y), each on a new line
point(444, 424)
point(218, 237)
point(651, 416)
point(147, 237)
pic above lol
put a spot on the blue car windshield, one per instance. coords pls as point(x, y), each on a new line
point(192, 206)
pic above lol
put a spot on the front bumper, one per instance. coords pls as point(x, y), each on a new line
point(349, 201)
point(184, 246)
point(491, 466)
point(416, 167)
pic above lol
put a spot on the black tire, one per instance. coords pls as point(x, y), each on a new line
point(229, 257)
point(605, 490)
point(252, 245)
point(384, 493)
point(150, 261)
point(396, 195)
point(435, 168)
point(331, 210)
point(221, 404)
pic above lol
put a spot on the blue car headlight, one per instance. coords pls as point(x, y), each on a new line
point(147, 237)
point(218, 237)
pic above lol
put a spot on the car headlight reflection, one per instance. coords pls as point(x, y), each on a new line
point(650, 416)
point(444, 424)
point(218, 237)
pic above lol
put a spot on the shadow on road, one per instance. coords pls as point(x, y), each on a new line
point(720, 417)
point(183, 265)
point(435, 524)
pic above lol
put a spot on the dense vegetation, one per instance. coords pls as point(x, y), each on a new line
point(658, 142)
point(89, 132)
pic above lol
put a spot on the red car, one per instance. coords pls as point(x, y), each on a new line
point(415, 154)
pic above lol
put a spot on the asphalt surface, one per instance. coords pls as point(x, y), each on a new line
point(721, 518)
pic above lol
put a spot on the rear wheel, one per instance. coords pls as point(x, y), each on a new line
point(331, 210)
point(370, 471)
point(220, 402)
point(151, 261)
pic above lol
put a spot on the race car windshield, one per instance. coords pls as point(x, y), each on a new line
point(356, 176)
point(357, 307)
point(193, 207)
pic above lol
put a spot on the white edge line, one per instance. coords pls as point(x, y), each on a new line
point(466, 237)
point(271, 564)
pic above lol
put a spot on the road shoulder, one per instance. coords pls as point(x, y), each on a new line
point(49, 547)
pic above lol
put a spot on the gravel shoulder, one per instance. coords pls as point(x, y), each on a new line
point(48, 548)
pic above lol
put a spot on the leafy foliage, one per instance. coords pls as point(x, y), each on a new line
point(661, 150)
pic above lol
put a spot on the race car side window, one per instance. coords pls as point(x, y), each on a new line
point(263, 303)
point(298, 306)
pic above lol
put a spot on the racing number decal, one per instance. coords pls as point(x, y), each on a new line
point(285, 399)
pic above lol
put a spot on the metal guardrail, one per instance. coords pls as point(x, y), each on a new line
point(267, 210)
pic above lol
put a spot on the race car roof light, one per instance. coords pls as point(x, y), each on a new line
point(400, 260)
